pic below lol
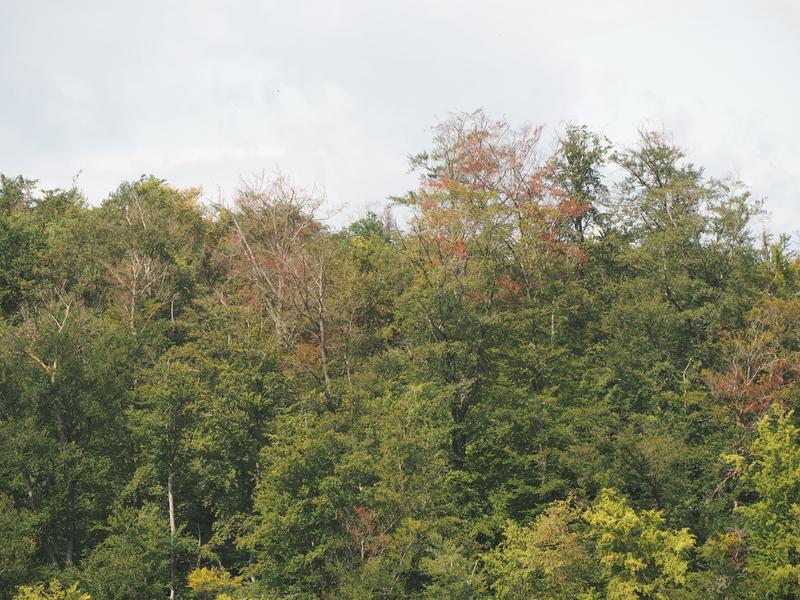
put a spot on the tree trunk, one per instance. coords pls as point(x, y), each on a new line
point(171, 502)
point(323, 354)
point(70, 550)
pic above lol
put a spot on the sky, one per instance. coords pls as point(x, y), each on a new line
point(337, 94)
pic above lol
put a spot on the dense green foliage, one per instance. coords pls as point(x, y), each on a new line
point(564, 376)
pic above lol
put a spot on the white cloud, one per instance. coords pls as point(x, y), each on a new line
point(338, 93)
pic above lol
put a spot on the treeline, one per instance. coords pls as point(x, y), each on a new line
point(568, 374)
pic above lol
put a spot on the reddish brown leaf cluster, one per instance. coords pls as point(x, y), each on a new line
point(763, 364)
point(367, 537)
point(487, 196)
point(510, 291)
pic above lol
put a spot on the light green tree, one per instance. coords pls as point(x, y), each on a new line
point(53, 591)
point(640, 556)
point(548, 559)
point(608, 550)
point(773, 520)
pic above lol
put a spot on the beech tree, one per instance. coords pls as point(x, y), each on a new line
point(162, 425)
point(282, 250)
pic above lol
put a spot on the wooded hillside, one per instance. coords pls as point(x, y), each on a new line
point(569, 373)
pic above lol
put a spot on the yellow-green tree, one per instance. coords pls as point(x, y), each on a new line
point(773, 520)
point(608, 550)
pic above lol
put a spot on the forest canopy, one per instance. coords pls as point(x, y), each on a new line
point(571, 372)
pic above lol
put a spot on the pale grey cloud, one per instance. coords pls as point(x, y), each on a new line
point(338, 93)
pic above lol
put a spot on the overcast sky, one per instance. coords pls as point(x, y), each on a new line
point(338, 94)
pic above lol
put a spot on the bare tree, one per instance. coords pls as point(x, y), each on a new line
point(283, 252)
